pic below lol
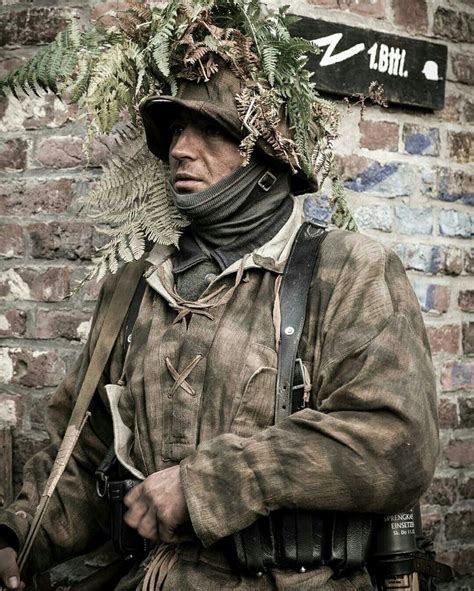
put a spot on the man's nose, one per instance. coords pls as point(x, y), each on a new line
point(185, 144)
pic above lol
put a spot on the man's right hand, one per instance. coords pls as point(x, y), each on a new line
point(9, 573)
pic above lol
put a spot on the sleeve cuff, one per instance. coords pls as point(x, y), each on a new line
point(222, 483)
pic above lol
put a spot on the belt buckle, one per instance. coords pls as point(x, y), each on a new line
point(267, 181)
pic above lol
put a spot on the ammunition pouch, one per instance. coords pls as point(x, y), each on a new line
point(301, 540)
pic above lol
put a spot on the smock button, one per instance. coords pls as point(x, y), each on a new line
point(209, 278)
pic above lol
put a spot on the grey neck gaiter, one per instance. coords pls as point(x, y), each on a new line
point(227, 209)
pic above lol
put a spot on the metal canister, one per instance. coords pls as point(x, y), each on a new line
point(395, 544)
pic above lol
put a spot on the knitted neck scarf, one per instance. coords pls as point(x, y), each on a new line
point(232, 207)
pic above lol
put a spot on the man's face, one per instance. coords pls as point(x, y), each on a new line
point(200, 154)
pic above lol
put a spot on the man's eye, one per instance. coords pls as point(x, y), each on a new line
point(214, 130)
point(176, 128)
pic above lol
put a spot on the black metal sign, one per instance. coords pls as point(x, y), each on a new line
point(412, 72)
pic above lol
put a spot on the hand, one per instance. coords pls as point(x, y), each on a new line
point(9, 573)
point(157, 508)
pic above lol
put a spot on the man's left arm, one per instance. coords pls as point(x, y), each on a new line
point(370, 441)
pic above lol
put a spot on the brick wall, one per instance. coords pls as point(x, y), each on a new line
point(409, 183)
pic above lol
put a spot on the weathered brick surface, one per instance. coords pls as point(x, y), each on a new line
point(31, 26)
point(458, 375)
point(444, 339)
point(466, 410)
point(461, 146)
point(33, 369)
point(409, 181)
point(379, 135)
point(421, 140)
point(433, 298)
point(67, 324)
point(49, 285)
point(448, 414)
point(468, 338)
point(13, 323)
point(455, 223)
point(27, 197)
point(463, 68)
point(412, 15)
point(443, 491)
point(453, 25)
point(466, 300)
point(13, 154)
point(71, 240)
point(11, 240)
point(460, 525)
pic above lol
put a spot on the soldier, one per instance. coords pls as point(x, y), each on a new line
point(190, 403)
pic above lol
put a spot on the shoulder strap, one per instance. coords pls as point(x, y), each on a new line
point(294, 292)
point(114, 317)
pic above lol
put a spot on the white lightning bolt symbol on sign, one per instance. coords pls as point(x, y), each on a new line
point(331, 42)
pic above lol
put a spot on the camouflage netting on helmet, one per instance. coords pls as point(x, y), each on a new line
point(142, 51)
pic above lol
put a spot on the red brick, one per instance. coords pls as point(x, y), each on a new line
point(36, 368)
point(443, 491)
point(444, 339)
point(460, 525)
point(35, 196)
point(61, 152)
point(11, 240)
point(460, 453)
point(456, 26)
point(13, 154)
point(463, 68)
point(466, 412)
point(468, 338)
point(32, 26)
point(457, 375)
point(48, 285)
point(448, 414)
point(461, 146)
point(461, 560)
point(469, 260)
point(466, 300)
point(68, 152)
point(70, 240)
point(67, 324)
point(411, 15)
point(13, 323)
point(379, 135)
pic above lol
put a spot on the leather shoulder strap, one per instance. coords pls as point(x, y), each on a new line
point(294, 292)
point(114, 318)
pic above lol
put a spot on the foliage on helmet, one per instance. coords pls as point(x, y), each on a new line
point(143, 50)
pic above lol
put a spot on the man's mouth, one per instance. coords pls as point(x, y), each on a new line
point(183, 180)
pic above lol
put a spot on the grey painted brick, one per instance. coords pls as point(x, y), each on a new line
point(393, 179)
point(418, 140)
point(428, 258)
point(316, 207)
point(455, 223)
point(414, 220)
point(378, 217)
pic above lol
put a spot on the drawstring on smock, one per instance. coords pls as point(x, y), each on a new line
point(160, 561)
point(203, 305)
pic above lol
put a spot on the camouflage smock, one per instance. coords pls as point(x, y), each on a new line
point(198, 387)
